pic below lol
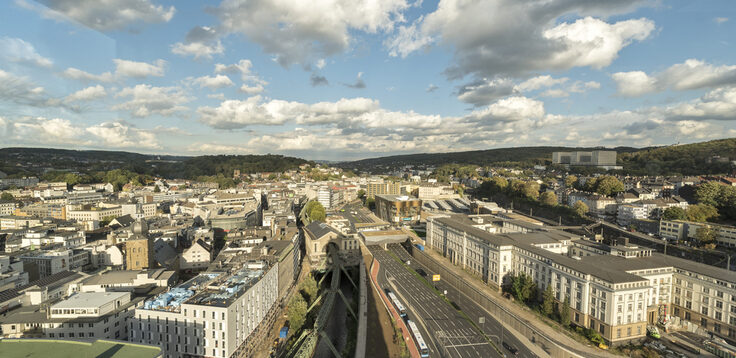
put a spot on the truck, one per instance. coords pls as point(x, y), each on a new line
point(419, 246)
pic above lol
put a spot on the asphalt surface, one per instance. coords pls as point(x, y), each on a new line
point(492, 328)
point(361, 215)
point(446, 332)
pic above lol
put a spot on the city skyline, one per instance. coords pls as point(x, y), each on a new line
point(343, 80)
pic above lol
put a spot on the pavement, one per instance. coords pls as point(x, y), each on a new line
point(446, 332)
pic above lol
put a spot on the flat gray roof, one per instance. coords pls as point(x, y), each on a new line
point(90, 299)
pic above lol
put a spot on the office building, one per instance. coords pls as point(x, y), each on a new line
point(398, 209)
point(605, 159)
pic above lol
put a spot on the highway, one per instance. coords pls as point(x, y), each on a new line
point(446, 331)
point(492, 328)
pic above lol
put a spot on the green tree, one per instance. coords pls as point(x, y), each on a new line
point(565, 312)
point(156, 189)
point(361, 194)
point(701, 213)
point(7, 196)
point(310, 288)
point(570, 180)
point(709, 193)
point(314, 211)
point(608, 185)
point(580, 208)
point(705, 235)
point(548, 301)
point(548, 198)
point(523, 287)
point(297, 312)
point(674, 213)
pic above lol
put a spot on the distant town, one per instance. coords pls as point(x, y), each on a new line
point(568, 258)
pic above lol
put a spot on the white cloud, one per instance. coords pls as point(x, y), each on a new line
point(634, 83)
point(692, 74)
point(123, 135)
point(139, 69)
point(251, 90)
point(512, 109)
point(555, 93)
point(146, 100)
point(43, 130)
point(77, 74)
point(200, 42)
point(87, 94)
point(408, 39)
point(252, 84)
point(718, 104)
point(22, 91)
point(102, 15)
point(538, 82)
point(511, 38)
point(123, 69)
point(302, 32)
point(359, 82)
point(17, 50)
point(432, 87)
point(593, 42)
point(720, 20)
point(219, 81)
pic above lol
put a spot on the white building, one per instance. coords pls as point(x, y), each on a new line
point(211, 315)
point(615, 290)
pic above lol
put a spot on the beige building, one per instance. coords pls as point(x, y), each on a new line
point(615, 290)
point(198, 256)
point(320, 235)
point(387, 188)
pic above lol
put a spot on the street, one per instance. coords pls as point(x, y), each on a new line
point(446, 331)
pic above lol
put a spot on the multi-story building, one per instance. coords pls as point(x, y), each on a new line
point(84, 315)
point(212, 314)
point(616, 290)
point(7, 207)
point(629, 212)
point(680, 230)
point(196, 257)
point(387, 188)
point(324, 196)
point(398, 209)
point(49, 262)
point(92, 213)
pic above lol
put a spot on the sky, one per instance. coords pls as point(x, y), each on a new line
point(351, 79)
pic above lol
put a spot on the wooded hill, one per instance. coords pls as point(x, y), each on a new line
point(37, 161)
point(686, 159)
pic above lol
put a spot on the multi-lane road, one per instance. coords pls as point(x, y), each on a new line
point(491, 327)
point(446, 331)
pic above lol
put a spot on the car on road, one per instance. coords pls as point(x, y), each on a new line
point(510, 348)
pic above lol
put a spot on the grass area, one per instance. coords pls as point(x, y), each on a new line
point(73, 349)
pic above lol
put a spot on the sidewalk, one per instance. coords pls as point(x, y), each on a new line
point(559, 336)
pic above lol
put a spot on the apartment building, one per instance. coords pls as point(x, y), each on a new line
point(616, 290)
point(213, 314)
point(7, 207)
point(92, 213)
point(387, 188)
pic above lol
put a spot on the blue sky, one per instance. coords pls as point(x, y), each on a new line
point(348, 79)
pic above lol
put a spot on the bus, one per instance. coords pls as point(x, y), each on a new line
point(397, 304)
point(423, 350)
